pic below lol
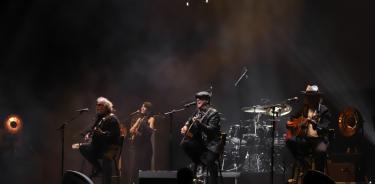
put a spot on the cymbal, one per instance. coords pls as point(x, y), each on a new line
point(278, 110)
point(254, 109)
point(270, 110)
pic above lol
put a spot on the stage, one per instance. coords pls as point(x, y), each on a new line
point(245, 68)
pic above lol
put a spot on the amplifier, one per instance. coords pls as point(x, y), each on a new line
point(342, 172)
point(170, 177)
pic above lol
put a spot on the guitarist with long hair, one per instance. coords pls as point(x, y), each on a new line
point(202, 133)
point(307, 129)
point(104, 139)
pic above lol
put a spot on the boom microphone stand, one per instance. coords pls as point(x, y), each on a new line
point(170, 115)
point(275, 114)
point(61, 128)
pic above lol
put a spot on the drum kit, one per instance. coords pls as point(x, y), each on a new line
point(249, 142)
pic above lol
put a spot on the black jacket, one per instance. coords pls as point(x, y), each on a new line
point(110, 126)
point(207, 131)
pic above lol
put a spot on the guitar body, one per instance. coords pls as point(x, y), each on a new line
point(91, 137)
point(191, 133)
point(298, 127)
point(86, 141)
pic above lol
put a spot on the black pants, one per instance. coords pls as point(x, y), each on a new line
point(93, 155)
point(200, 155)
point(304, 146)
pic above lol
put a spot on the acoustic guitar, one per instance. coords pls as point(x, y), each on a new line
point(302, 126)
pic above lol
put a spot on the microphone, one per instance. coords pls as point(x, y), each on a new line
point(211, 90)
point(244, 74)
point(292, 99)
point(82, 110)
point(190, 104)
point(133, 113)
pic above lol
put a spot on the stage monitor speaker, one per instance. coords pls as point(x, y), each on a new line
point(315, 177)
point(156, 177)
point(170, 177)
point(74, 177)
point(342, 172)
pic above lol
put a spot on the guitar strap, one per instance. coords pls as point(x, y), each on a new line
point(103, 119)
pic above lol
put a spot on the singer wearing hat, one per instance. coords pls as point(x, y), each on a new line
point(202, 136)
point(307, 129)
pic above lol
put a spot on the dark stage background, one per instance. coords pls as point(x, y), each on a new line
point(58, 56)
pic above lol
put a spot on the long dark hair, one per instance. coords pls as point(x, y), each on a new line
point(148, 106)
point(311, 102)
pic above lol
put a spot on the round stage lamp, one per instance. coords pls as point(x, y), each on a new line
point(13, 124)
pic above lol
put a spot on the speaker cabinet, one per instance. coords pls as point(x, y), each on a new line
point(315, 177)
point(341, 172)
point(157, 177)
point(170, 177)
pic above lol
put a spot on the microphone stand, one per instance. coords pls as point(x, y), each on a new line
point(61, 128)
point(170, 115)
point(275, 114)
point(240, 99)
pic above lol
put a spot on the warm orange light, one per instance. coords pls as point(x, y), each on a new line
point(13, 124)
point(349, 121)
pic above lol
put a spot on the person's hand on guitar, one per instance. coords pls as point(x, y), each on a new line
point(134, 131)
point(87, 136)
point(303, 126)
point(184, 129)
point(194, 120)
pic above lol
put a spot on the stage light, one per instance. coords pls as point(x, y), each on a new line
point(349, 121)
point(13, 124)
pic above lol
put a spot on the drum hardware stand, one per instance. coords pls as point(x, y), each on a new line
point(256, 122)
point(239, 146)
point(61, 128)
point(275, 114)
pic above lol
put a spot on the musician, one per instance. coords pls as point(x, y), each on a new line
point(308, 129)
point(202, 136)
point(141, 129)
point(105, 139)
